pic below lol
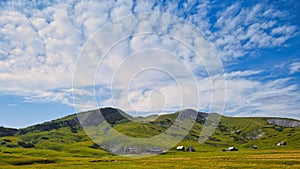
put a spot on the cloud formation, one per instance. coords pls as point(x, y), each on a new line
point(244, 29)
point(40, 42)
point(294, 67)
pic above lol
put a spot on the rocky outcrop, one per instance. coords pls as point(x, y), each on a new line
point(254, 134)
point(284, 122)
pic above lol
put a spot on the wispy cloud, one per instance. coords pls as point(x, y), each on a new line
point(13, 105)
point(246, 97)
point(242, 30)
point(294, 67)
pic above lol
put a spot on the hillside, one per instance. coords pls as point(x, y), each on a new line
point(231, 130)
point(65, 136)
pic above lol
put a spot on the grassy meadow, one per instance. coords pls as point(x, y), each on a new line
point(63, 143)
point(245, 158)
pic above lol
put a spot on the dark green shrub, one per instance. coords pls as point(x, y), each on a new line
point(25, 145)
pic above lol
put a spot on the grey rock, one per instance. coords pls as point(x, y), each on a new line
point(284, 122)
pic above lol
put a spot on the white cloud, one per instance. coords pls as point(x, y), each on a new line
point(150, 52)
point(244, 29)
point(254, 98)
point(242, 73)
point(40, 44)
point(294, 67)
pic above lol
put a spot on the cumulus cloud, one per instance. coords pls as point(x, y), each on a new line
point(176, 51)
point(40, 43)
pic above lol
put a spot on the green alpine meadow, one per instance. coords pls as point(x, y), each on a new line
point(62, 143)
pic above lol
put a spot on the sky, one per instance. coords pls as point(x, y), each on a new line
point(237, 58)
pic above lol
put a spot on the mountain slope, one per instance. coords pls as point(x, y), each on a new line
point(7, 131)
point(66, 134)
point(111, 115)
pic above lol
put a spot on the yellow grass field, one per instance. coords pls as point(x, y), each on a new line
point(278, 158)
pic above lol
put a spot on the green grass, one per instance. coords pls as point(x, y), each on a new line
point(245, 158)
point(66, 147)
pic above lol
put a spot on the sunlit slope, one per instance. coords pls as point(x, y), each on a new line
point(65, 135)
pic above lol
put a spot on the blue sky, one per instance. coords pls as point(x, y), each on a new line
point(257, 42)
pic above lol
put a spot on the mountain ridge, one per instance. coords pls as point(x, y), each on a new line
point(113, 115)
point(60, 134)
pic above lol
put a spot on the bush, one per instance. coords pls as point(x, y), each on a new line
point(45, 138)
point(25, 145)
point(96, 146)
point(222, 128)
point(73, 130)
point(278, 128)
point(7, 140)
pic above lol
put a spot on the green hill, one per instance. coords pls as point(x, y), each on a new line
point(64, 140)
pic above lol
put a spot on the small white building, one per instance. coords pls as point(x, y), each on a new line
point(180, 148)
